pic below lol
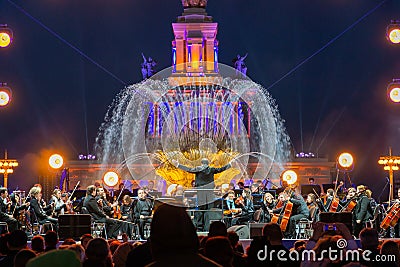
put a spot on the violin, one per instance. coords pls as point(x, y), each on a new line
point(239, 201)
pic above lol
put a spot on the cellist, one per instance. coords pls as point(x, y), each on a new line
point(397, 226)
point(299, 211)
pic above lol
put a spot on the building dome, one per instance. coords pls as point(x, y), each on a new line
point(194, 3)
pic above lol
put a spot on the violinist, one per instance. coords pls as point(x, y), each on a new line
point(101, 197)
point(93, 208)
point(59, 206)
point(255, 188)
point(18, 211)
point(4, 216)
point(330, 194)
point(39, 215)
point(229, 208)
point(362, 212)
point(312, 207)
point(245, 203)
point(267, 206)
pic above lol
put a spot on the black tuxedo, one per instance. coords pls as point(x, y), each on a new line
point(247, 212)
point(363, 212)
point(143, 207)
point(39, 214)
point(4, 217)
point(204, 179)
point(98, 215)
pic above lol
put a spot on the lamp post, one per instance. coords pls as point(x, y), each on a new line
point(7, 167)
point(390, 164)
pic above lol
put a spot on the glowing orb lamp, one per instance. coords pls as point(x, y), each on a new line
point(6, 36)
point(345, 160)
point(393, 91)
point(56, 161)
point(393, 32)
point(110, 178)
point(289, 176)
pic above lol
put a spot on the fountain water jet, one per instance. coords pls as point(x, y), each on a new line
point(220, 117)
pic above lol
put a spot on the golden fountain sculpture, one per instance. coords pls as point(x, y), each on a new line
point(192, 158)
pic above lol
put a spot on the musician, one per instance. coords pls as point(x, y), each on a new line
point(255, 189)
point(59, 206)
point(126, 215)
point(245, 203)
point(4, 216)
point(351, 195)
point(299, 211)
point(397, 226)
point(267, 206)
point(122, 191)
point(362, 211)
point(42, 203)
point(204, 179)
point(39, 214)
point(143, 211)
point(312, 207)
point(106, 206)
point(229, 208)
point(330, 193)
point(92, 207)
point(18, 210)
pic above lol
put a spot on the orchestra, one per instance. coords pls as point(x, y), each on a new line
point(129, 214)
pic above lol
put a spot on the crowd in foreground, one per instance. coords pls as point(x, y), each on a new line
point(174, 242)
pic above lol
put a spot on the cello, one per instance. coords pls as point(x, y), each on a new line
point(335, 201)
point(287, 211)
point(392, 217)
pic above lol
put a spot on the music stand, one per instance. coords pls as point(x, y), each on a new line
point(310, 189)
point(328, 186)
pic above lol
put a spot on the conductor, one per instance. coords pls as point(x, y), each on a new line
point(204, 180)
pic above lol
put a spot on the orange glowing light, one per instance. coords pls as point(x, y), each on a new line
point(110, 178)
point(4, 98)
point(5, 39)
point(394, 94)
point(56, 161)
point(345, 160)
point(289, 176)
point(394, 35)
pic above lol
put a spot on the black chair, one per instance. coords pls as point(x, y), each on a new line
point(98, 229)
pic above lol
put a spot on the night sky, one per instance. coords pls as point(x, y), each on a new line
point(336, 101)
